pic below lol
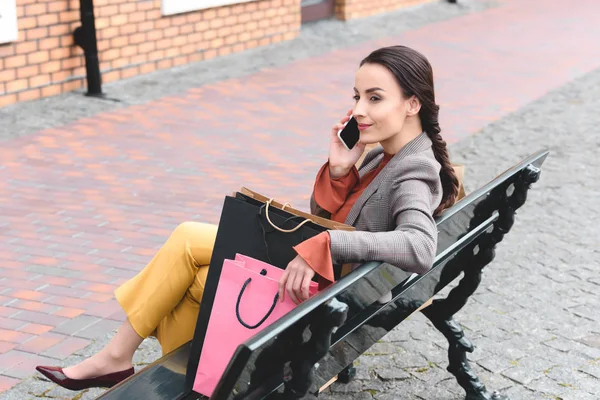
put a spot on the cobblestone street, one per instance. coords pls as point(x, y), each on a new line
point(89, 189)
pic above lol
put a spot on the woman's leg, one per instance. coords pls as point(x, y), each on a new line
point(116, 356)
point(164, 295)
point(178, 327)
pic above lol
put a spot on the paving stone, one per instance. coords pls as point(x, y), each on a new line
point(578, 396)
point(549, 386)
point(429, 375)
point(382, 348)
point(497, 364)
point(493, 382)
point(521, 393)
point(591, 369)
point(76, 324)
point(535, 363)
point(411, 360)
point(565, 375)
point(522, 375)
point(591, 341)
point(590, 385)
point(354, 396)
point(399, 334)
point(391, 373)
point(376, 386)
point(570, 360)
point(351, 387)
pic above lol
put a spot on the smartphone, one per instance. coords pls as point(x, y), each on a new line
point(349, 135)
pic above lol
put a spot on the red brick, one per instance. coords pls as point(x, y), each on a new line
point(7, 312)
point(36, 317)
point(38, 57)
point(49, 43)
point(50, 67)
point(6, 347)
point(63, 291)
point(51, 90)
point(69, 312)
point(69, 16)
point(26, 47)
point(35, 329)
point(66, 348)
point(98, 297)
point(14, 336)
point(104, 310)
point(59, 5)
point(25, 284)
point(40, 80)
point(47, 19)
point(70, 302)
point(32, 94)
point(41, 343)
point(6, 382)
point(22, 363)
point(36, 33)
point(7, 99)
point(11, 324)
point(60, 54)
point(8, 75)
point(27, 23)
point(59, 30)
point(33, 306)
point(36, 9)
point(29, 294)
point(15, 61)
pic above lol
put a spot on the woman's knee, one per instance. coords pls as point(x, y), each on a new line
point(196, 237)
point(191, 229)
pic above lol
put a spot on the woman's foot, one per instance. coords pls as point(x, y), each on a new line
point(57, 375)
point(103, 363)
point(104, 369)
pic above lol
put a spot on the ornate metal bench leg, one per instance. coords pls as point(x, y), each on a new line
point(441, 312)
point(459, 365)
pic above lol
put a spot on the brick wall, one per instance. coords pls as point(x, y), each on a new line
point(133, 38)
point(350, 9)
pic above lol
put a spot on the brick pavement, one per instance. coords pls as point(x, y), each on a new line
point(84, 206)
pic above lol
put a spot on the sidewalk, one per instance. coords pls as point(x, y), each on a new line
point(84, 206)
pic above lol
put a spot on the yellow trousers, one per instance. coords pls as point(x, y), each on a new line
point(163, 300)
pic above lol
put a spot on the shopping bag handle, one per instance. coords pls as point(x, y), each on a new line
point(267, 204)
point(239, 299)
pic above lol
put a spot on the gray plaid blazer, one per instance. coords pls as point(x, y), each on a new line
point(393, 216)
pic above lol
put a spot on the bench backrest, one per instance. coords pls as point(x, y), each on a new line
point(337, 325)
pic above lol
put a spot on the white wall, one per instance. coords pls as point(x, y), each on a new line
point(8, 21)
point(170, 7)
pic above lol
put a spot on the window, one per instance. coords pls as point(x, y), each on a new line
point(8, 21)
point(170, 7)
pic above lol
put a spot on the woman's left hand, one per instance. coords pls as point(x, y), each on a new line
point(296, 280)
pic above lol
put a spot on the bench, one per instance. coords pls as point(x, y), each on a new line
point(315, 344)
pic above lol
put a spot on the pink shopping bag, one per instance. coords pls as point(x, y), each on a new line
point(245, 303)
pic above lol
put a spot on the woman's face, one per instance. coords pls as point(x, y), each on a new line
point(380, 107)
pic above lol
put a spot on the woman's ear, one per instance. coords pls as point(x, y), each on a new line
point(414, 106)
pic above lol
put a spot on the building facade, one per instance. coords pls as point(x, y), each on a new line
point(38, 57)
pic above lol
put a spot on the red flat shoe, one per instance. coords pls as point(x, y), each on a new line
point(56, 375)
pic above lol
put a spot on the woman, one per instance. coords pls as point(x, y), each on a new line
point(391, 201)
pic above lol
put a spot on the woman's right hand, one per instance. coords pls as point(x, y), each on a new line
point(341, 160)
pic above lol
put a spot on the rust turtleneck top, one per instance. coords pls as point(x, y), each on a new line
point(336, 196)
